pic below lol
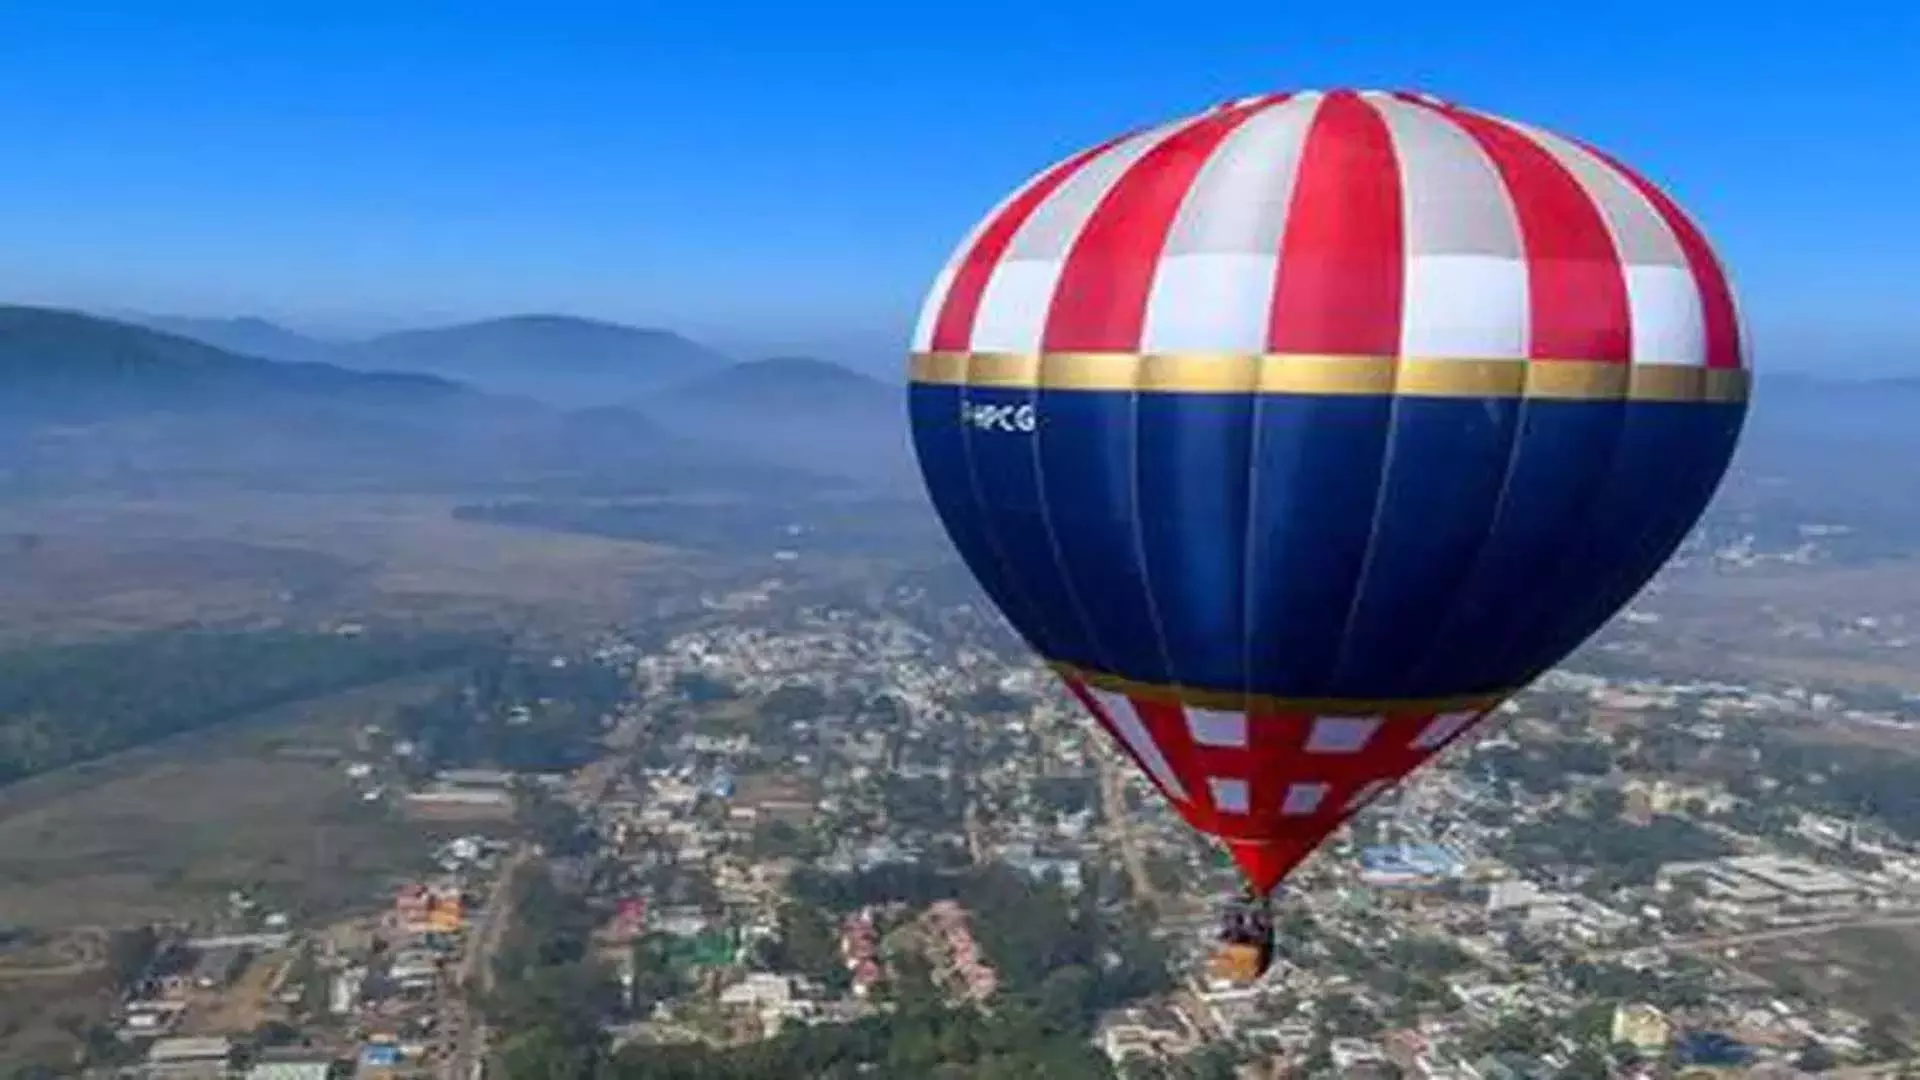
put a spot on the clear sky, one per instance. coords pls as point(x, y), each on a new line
point(790, 176)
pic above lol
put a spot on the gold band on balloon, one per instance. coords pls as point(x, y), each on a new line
point(1293, 373)
point(1229, 701)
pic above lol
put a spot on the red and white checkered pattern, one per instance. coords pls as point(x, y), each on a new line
point(1272, 785)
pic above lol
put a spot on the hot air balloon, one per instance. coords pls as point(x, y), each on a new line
point(1299, 434)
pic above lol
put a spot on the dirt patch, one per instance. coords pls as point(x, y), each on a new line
point(242, 1007)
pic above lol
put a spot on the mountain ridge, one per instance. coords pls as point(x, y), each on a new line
point(88, 399)
point(563, 359)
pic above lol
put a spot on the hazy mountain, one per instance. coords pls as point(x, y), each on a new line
point(553, 358)
point(787, 380)
point(90, 401)
point(64, 366)
point(1788, 407)
point(250, 336)
point(811, 413)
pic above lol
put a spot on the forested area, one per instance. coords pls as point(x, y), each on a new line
point(1857, 782)
point(62, 704)
point(515, 713)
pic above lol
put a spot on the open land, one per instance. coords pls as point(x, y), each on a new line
point(1868, 970)
point(163, 833)
point(95, 565)
point(1785, 624)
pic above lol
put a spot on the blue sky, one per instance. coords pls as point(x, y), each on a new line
point(789, 176)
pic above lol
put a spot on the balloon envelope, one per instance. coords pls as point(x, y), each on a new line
point(1299, 434)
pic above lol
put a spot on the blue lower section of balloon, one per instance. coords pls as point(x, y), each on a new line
point(1314, 545)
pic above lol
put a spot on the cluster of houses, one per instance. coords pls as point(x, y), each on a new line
point(963, 963)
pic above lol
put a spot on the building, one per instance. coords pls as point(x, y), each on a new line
point(291, 1070)
point(1642, 1027)
point(181, 1057)
point(1401, 865)
point(1758, 886)
point(458, 801)
point(759, 990)
point(479, 778)
point(1800, 882)
point(217, 967)
point(429, 909)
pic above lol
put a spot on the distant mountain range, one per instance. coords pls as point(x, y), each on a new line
point(810, 413)
point(805, 412)
point(92, 401)
point(813, 414)
point(554, 358)
point(247, 336)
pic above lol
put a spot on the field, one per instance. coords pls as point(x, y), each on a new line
point(1796, 624)
point(1866, 970)
point(76, 567)
point(164, 833)
point(42, 1020)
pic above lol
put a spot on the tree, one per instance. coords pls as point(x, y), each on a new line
point(793, 703)
point(1345, 1016)
point(1592, 1022)
point(61, 704)
point(1881, 1041)
point(129, 952)
point(1814, 1057)
point(1587, 1063)
point(1606, 803)
point(807, 942)
point(1214, 1061)
point(1063, 996)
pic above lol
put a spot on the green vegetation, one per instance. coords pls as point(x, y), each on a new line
point(1685, 987)
point(1026, 1037)
point(809, 943)
point(1541, 767)
point(1852, 781)
point(70, 703)
point(547, 993)
point(1052, 953)
point(1620, 852)
point(1029, 930)
point(515, 713)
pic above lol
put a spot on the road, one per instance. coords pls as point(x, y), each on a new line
point(1780, 933)
point(473, 978)
point(1113, 805)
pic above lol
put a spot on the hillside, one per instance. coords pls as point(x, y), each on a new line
point(553, 358)
point(91, 402)
point(249, 336)
point(782, 380)
point(65, 366)
point(814, 414)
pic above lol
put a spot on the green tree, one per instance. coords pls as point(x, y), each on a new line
point(1881, 1040)
point(1587, 1063)
point(1814, 1057)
